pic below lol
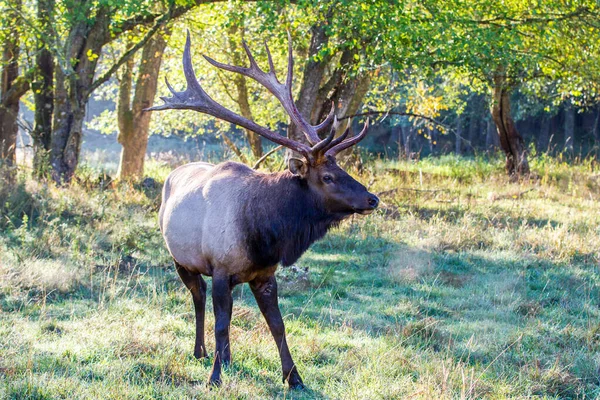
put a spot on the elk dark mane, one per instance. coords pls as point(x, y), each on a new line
point(301, 219)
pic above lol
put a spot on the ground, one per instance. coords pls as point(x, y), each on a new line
point(463, 285)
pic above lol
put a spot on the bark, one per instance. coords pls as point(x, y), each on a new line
point(360, 88)
point(569, 127)
point(334, 88)
point(9, 108)
point(134, 123)
point(43, 94)
point(241, 87)
point(511, 141)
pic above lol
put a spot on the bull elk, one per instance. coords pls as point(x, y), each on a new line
point(236, 224)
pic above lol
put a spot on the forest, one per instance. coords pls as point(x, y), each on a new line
point(478, 275)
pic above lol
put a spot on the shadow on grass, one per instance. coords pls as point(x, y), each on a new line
point(492, 310)
point(512, 317)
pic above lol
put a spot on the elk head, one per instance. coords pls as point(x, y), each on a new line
point(340, 193)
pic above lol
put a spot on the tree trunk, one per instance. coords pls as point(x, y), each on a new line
point(511, 141)
point(348, 97)
point(336, 87)
point(474, 121)
point(66, 135)
point(544, 135)
point(459, 135)
point(398, 138)
point(430, 141)
point(569, 127)
point(596, 129)
point(9, 108)
point(491, 137)
point(71, 94)
point(134, 123)
point(407, 138)
point(242, 89)
point(43, 94)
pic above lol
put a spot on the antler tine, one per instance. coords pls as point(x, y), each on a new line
point(271, 66)
point(340, 138)
point(253, 63)
point(325, 124)
point(323, 144)
point(195, 98)
point(329, 141)
point(283, 92)
point(349, 142)
point(290, 72)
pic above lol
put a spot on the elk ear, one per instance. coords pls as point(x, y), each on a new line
point(298, 167)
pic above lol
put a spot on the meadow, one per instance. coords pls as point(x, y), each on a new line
point(464, 284)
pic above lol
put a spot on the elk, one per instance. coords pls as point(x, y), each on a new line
point(236, 224)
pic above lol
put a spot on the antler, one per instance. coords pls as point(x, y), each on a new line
point(195, 98)
point(283, 92)
point(340, 144)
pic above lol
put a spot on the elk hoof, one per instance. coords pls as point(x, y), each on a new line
point(295, 382)
point(214, 382)
point(297, 386)
point(199, 354)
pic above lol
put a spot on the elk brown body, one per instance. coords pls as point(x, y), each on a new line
point(236, 225)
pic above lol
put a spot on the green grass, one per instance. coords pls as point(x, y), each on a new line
point(463, 285)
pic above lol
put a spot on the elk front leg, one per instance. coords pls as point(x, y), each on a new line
point(197, 286)
point(222, 305)
point(265, 292)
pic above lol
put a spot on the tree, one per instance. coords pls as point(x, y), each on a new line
point(12, 87)
point(499, 46)
point(134, 123)
point(43, 90)
point(235, 33)
point(71, 37)
point(89, 30)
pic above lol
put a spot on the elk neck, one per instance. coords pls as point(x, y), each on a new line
point(281, 218)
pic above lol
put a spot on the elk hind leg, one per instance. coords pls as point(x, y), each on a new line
point(197, 287)
point(222, 305)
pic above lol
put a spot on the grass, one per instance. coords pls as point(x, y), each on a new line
point(463, 285)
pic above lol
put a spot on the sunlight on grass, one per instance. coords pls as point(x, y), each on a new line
point(463, 285)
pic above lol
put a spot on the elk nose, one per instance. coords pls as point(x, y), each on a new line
point(373, 201)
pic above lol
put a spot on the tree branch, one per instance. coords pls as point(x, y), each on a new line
point(160, 22)
point(390, 112)
point(263, 158)
point(19, 87)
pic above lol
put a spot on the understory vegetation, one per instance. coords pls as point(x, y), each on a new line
point(464, 284)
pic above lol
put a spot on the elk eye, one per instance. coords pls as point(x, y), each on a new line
point(327, 179)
